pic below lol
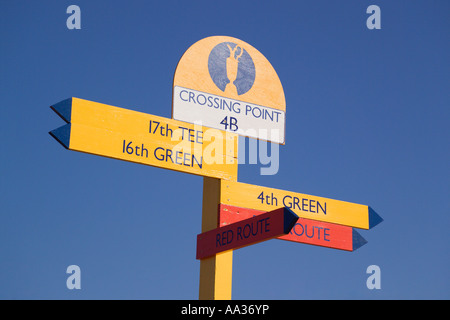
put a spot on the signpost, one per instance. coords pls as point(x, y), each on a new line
point(305, 206)
point(224, 83)
point(222, 88)
point(246, 232)
point(147, 139)
point(306, 231)
point(227, 84)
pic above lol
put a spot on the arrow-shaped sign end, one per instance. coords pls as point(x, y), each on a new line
point(63, 109)
point(290, 218)
point(358, 240)
point(62, 135)
point(374, 218)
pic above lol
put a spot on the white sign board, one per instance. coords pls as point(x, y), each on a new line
point(224, 83)
point(227, 114)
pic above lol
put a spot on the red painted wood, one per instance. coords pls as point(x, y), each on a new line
point(242, 233)
point(304, 231)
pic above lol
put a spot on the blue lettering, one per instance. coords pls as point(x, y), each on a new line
point(239, 235)
point(294, 229)
point(191, 96)
point(201, 95)
point(218, 240)
point(266, 229)
point(305, 204)
point(296, 201)
point(224, 238)
point(255, 230)
point(185, 159)
point(216, 101)
point(177, 157)
point(253, 112)
point(318, 232)
point(248, 234)
point(277, 113)
point(306, 232)
point(299, 230)
point(169, 155)
point(288, 204)
point(325, 234)
point(236, 110)
point(225, 104)
point(181, 96)
point(311, 206)
point(323, 210)
point(267, 114)
point(160, 156)
point(230, 238)
point(210, 104)
point(199, 164)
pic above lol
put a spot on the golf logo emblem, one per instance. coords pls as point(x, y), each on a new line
point(231, 68)
point(224, 83)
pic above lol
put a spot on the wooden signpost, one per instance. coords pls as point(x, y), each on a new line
point(246, 232)
point(133, 136)
point(227, 84)
point(223, 88)
point(306, 231)
point(306, 206)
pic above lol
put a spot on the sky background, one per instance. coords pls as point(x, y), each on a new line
point(367, 121)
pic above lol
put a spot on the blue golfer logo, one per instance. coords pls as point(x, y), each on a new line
point(231, 68)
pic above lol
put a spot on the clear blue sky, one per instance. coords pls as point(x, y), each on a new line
point(367, 122)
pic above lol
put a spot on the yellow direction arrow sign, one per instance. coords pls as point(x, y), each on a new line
point(305, 206)
point(133, 136)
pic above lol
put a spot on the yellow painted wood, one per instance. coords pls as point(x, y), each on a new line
point(216, 271)
point(305, 206)
point(192, 72)
point(151, 140)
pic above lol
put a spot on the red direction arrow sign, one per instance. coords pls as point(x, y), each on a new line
point(246, 232)
point(307, 231)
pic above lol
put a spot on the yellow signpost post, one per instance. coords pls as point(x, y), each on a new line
point(222, 88)
point(225, 83)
